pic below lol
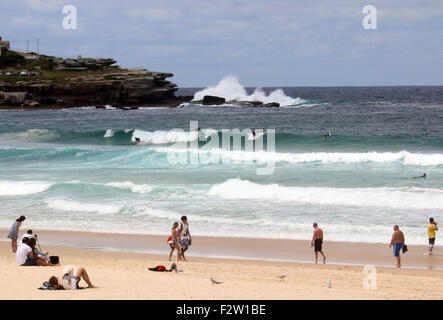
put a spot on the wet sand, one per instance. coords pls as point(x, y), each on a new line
point(344, 253)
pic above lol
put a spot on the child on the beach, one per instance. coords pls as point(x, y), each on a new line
point(174, 242)
point(13, 233)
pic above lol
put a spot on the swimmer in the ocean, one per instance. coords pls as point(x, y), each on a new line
point(423, 176)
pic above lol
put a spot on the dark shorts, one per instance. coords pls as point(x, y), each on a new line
point(185, 243)
point(318, 245)
point(431, 241)
point(30, 262)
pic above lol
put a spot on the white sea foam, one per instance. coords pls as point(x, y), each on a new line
point(402, 157)
point(109, 133)
point(230, 89)
point(168, 137)
point(19, 188)
point(128, 185)
point(74, 206)
point(32, 135)
point(396, 198)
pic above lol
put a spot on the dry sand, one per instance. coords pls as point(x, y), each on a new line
point(125, 276)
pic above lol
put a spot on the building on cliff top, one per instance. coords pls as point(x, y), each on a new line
point(4, 45)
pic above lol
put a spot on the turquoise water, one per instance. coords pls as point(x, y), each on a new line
point(78, 169)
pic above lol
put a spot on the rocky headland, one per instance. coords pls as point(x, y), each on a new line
point(30, 80)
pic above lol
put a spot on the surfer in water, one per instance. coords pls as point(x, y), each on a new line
point(422, 177)
point(136, 140)
point(327, 135)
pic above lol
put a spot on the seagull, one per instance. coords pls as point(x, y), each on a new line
point(215, 281)
point(329, 282)
point(282, 276)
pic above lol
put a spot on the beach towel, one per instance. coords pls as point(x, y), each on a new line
point(47, 286)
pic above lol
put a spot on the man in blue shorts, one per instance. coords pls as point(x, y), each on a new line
point(398, 241)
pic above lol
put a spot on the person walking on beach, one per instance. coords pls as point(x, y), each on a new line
point(398, 241)
point(175, 242)
point(432, 227)
point(317, 242)
point(13, 233)
point(185, 236)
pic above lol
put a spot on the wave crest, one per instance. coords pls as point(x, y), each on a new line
point(21, 188)
point(231, 89)
point(395, 198)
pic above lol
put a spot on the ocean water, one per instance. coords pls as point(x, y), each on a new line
point(78, 169)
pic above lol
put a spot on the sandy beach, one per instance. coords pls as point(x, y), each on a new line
point(123, 275)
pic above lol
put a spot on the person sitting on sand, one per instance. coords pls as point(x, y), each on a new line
point(398, 241)
point(37, 255)
point(317, 242)
point(28, 234)
point(24, 256)
point(70, 274)
point(13, 233)
point(175, 242)
point(185, 236)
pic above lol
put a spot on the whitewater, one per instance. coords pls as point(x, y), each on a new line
point(80, 169)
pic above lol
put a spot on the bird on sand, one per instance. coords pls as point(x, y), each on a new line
point(282, 276)
point(215, 281)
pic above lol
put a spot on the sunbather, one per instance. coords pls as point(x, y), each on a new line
point(65, 282)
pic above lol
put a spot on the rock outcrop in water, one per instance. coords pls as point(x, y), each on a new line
point(214, 101)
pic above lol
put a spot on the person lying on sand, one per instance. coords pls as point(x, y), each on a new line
point(71, 274)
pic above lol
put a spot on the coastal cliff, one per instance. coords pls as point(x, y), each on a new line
point(118, 88)
point(28, 80)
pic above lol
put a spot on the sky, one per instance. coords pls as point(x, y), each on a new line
point(264, 43)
